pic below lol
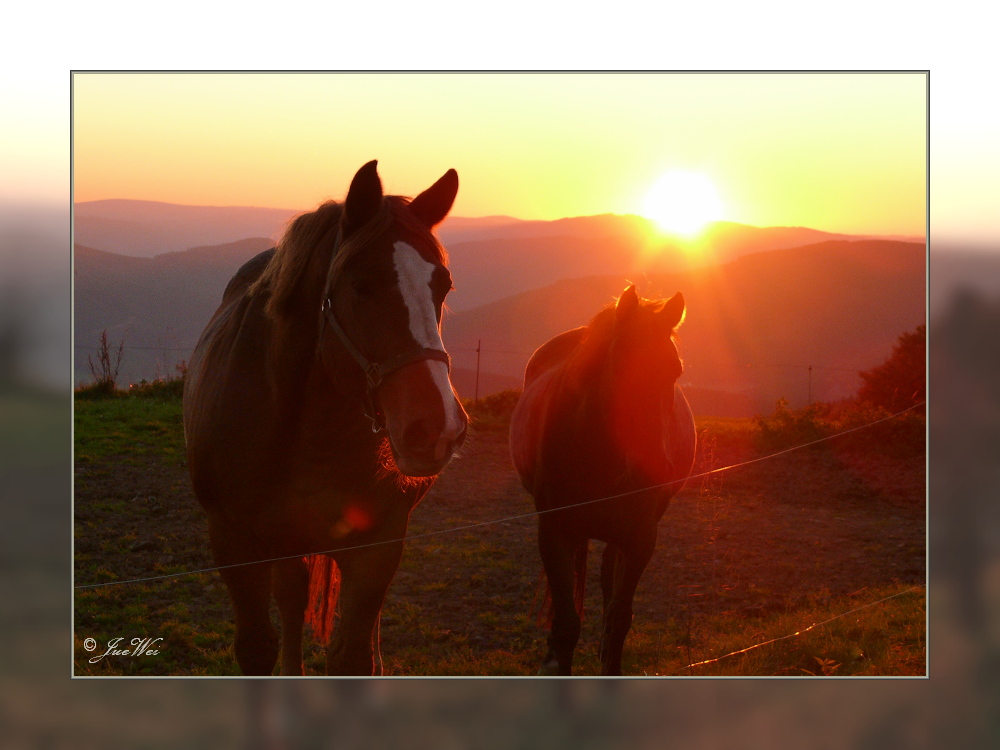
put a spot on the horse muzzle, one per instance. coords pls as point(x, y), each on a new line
point(425, 421)
point(422, 454)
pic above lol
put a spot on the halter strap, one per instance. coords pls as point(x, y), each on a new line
point(374, 372)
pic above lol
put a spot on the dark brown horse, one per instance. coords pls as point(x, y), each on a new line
point(317, 410)
point(601, 414)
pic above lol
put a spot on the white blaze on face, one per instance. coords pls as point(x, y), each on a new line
point(414, 275)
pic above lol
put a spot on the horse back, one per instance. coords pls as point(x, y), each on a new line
point(552, 353)
point(248, 273)
point(530, 414)
point(226, 388)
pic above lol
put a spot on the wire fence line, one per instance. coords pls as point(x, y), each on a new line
point(141, 348)
point(484, 350)
point(797, 632)
point(480, 524)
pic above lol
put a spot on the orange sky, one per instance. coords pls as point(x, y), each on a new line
point(838, 152)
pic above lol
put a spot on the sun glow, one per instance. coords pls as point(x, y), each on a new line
point(683, 202)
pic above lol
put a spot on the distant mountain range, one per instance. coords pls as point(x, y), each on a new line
point(148, 228)
point(753, 327)
point(159, 305)
point(492, 257)
point(532, 254)
point(763, 303)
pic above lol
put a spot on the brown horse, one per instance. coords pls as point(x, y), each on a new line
point(601, 414)
point(317, 410)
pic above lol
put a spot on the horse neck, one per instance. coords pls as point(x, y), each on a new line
point(586, 387)
point(609, 413)
point(319, 409)
point(292, 359)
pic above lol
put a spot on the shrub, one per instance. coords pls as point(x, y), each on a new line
point(493, 412)
point(159, 388)
point(172, 387)
point(900, 381)
point(98, 391)
point(901, 436)
point(105, 370)
point(165, 388)
point(786, 428)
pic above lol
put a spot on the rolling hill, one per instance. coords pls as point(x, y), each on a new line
point(492, 257)
point(159, 305)
point(148, 228)
point(754, 325)
point(513, 257)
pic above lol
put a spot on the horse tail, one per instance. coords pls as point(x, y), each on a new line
point(324, 587)
point(579, 587)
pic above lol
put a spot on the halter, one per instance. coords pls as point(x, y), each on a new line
point(374, 372)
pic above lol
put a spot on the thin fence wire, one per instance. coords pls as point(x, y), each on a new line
point(142, 348)
point(520, 352)
point(797, 632)
point(481, 524)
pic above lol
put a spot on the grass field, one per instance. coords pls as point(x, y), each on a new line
point(744, 557)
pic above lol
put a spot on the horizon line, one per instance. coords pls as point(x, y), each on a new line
point(515, 219)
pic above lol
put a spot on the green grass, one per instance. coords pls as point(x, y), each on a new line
point(499, 635)
point(886, 638)
point(197, 640)
point(129, 427)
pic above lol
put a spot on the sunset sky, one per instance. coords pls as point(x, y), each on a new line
point(837, 152)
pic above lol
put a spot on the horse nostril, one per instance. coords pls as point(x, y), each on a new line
point(418, 437)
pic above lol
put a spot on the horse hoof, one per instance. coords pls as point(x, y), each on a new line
point(549, 669)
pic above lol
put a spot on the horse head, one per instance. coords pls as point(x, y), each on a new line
point(385, 291)
point(643, 367)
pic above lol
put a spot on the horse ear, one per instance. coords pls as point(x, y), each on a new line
point(673, 311)
point(628, 303)
point(364, 198)
point(432, 205)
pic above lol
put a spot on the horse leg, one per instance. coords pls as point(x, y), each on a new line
point(629, 567)
point(558, 559)
point(256, 645)
point(365, 575)
point(608, 562)
point(290, 586)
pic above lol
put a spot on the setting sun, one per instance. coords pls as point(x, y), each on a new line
point(683, 202)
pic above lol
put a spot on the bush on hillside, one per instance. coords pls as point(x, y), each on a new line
point(169, 388)
point(105, 368)
point(492, 412)
point(785, 428)
point(900, 381)
point(901, 436)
